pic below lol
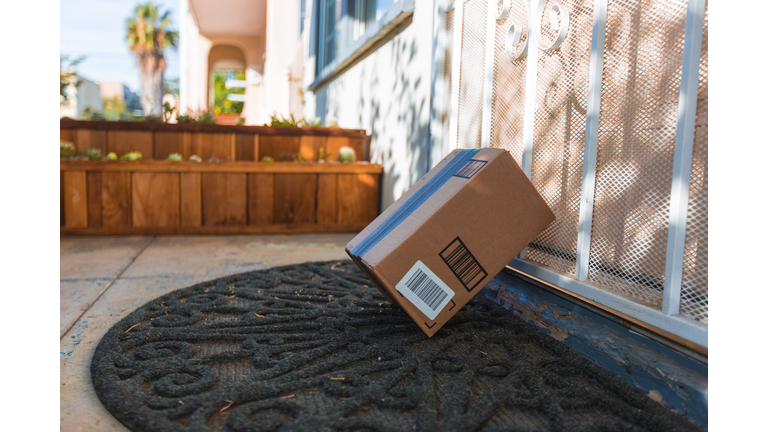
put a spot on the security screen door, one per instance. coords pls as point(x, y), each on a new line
point(604, 105)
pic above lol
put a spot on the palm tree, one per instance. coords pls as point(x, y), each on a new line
point(148, 35)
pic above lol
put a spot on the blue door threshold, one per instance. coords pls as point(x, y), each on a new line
point(671, 374)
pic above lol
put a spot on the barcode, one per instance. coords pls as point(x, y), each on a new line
point(470, 168)
point(426, 289)
point(463, 264)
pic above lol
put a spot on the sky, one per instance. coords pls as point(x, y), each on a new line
point(96, 29)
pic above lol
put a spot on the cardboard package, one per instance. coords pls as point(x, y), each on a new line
point(436, 247)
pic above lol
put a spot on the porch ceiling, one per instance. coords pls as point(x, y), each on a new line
point(237, 17)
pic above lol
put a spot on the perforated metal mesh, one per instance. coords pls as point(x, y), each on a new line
point(559, 129)
point(448, 74)
point(472, 75)
point(694, 301)
point(641, 81)
point(635, 145)
point(508, 101)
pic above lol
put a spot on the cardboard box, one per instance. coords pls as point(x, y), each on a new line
point(438, 245)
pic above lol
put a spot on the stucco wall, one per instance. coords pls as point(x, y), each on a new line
point(296, 84)
point(388, 95)
point(84, 95)
point(281, 44)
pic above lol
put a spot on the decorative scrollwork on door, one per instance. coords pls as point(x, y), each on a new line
point(558, 21)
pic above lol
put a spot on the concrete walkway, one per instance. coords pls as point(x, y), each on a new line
point(103, 279)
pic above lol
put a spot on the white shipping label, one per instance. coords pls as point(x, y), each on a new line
point(425, 290)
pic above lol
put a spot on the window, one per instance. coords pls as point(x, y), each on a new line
point(346, 29)
point(302, 15)
point(331, 11)
point(365, 15)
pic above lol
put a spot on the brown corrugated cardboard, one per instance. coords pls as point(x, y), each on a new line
point(434, 249)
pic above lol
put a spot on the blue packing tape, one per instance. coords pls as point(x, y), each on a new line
point(413, 202)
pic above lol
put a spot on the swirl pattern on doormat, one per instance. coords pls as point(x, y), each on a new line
point(314, 347)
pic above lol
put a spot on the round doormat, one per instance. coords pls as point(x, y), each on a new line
point(314, 347)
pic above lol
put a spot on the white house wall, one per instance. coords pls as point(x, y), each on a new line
point(281, 44)
point(388, 95)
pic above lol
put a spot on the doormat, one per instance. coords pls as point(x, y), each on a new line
point(315, 347)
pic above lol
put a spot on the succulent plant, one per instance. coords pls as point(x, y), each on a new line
point(92, 114)
point(322, 156)
point(174, 157)
point(267, 159)
point(132, 156)
point(347, 154)
point(153, 118)
point(240, 121)
point(275, 121)
point(112, 156)
point(206, 117)
point(195, 158)
point(167, 112)
point(314, 122)
point(66, 150)
point(93, 154)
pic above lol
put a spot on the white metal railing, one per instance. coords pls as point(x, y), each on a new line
point(604, 105)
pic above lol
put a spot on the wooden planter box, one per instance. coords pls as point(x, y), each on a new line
point(161, 197)
point(232, 143)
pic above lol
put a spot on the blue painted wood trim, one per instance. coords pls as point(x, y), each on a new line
point(678, 381)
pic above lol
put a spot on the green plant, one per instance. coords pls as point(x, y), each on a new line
point(92, 154)
point(67, 76)
point(347, 154)
point(114, 108)
point(92, 114)
point(206, 117)
point(174, 157)
point(168, 111)
point(275, 121)
point(221, 102)
point(315, 122)
point(112, 156)
point(153, 118)
point(195, 158)
point(148, 36)
point(132, 156)
point(295, 157)
point(267, 159)
point(126, 116)
point(322, 156)
point(240, 121)
point(66, 150)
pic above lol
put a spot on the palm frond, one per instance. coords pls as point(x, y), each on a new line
point(147, 29)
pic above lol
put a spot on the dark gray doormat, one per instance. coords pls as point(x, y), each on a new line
point(313, 347)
